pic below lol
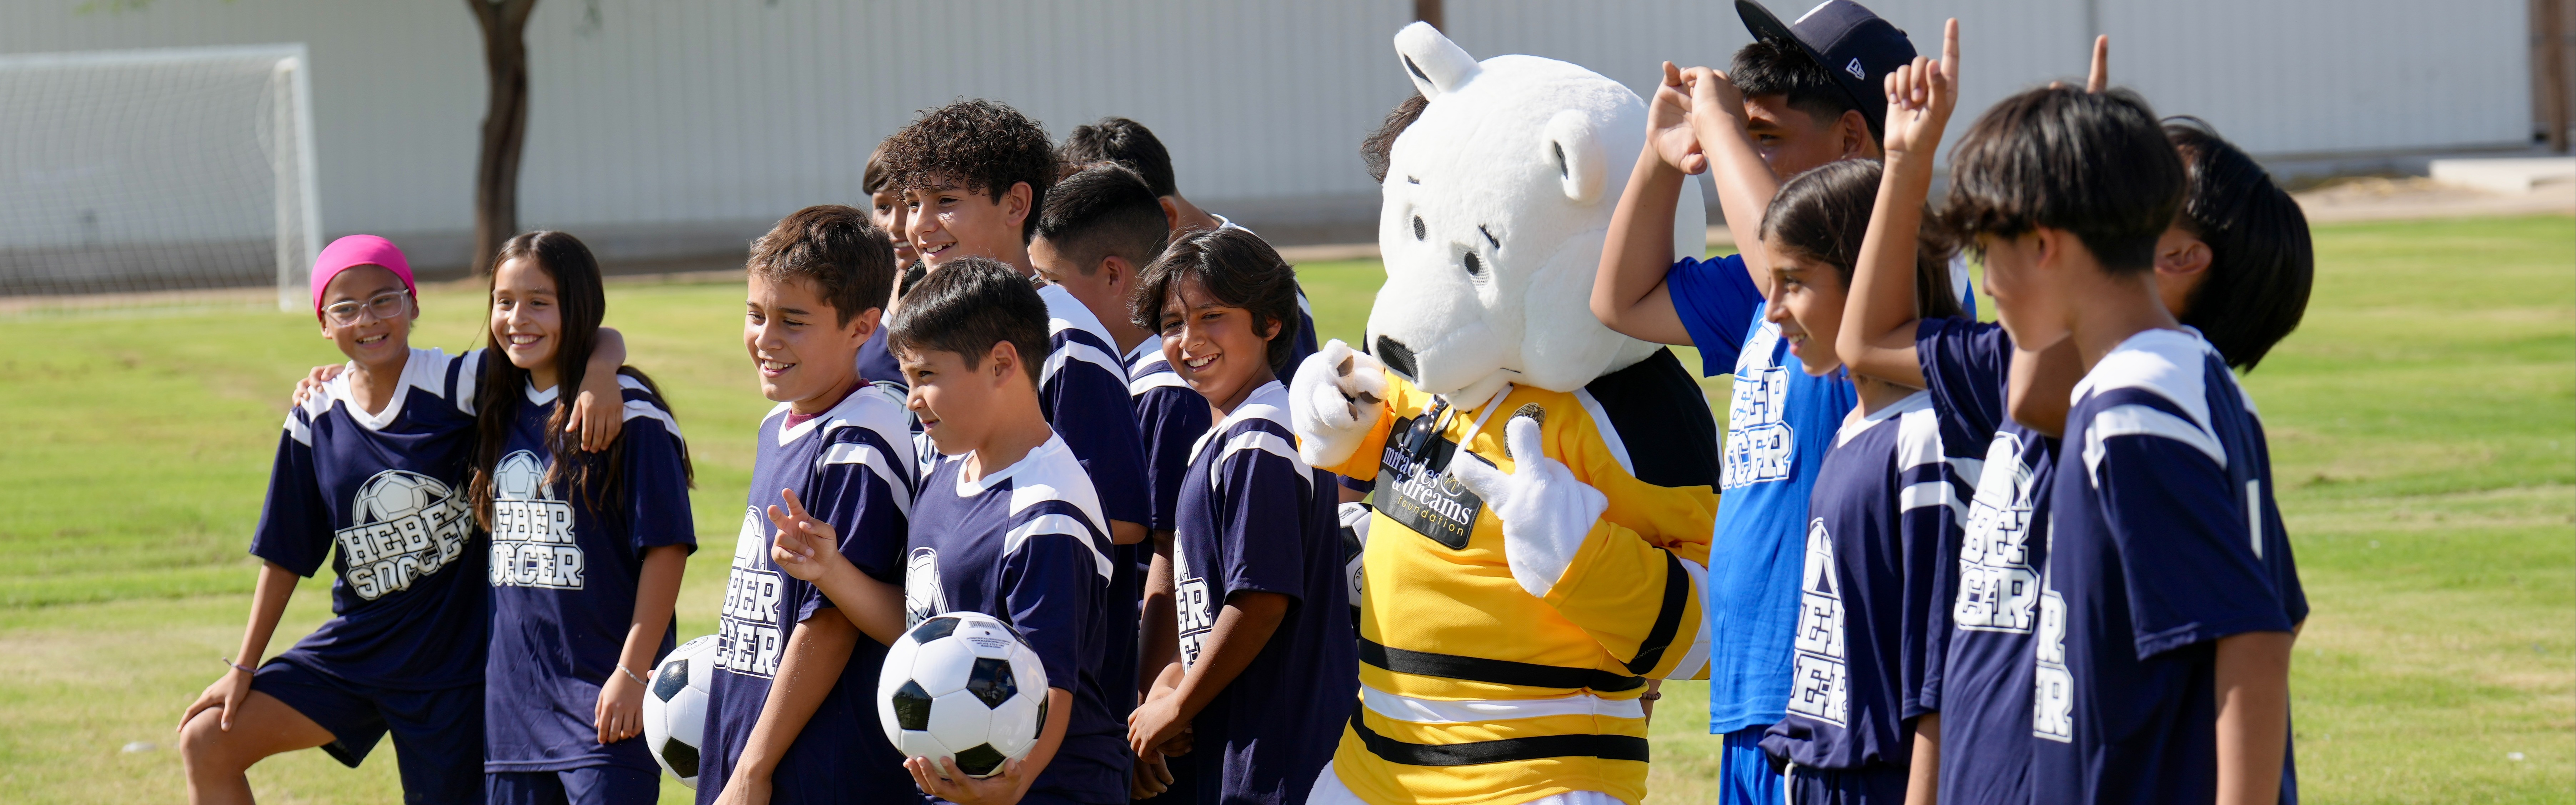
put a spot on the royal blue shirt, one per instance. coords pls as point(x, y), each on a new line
point(1983, 692)
point(1255, 518)
point(851, 466)
point(2166, 539)
point(564, 576)
point(1868, 593)
point(1082, 389)
point(1779, 423)
point(1027, 544)
point(388, 489)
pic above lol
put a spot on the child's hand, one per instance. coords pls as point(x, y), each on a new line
point(1155, 723)
point(1920, 98)
point(999, 789)
point(806, 547)
point(599, 412)
point(226, 694)
point(1668, 124)
point(1152, 777)
point(312, 383)
point(1714, 97)
point(619, 715)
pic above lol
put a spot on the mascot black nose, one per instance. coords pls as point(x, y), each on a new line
point(1396, 356)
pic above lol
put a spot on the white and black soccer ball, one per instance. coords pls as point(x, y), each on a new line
point(962, 685)
point(675, 708)
point(520, 477)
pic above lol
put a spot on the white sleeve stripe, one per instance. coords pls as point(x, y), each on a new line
point(1076, 350)
point(2139, 420)
point(1609, 432)
point(640, 408)
point(1058, 524)
point(1918, 439)
point(1154, 381)
point(295, 427)
point(1932, 493)
point(1697, 658)
point(2254, 513)
point(875, 460)
point(1968, 471)
point(1266, 442)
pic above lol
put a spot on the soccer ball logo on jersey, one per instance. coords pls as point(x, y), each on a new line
point(748, 628)
point(1998, 589)
point(532, 543)
point(1759, 447)
point(403, 527)
point(923, 598)
point(1816, 681)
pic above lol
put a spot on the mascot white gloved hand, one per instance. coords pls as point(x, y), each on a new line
point(1544, 487)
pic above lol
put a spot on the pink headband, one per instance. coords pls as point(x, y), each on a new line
point(351, 252)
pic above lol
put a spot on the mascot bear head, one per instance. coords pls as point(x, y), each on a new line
point(1496, 202)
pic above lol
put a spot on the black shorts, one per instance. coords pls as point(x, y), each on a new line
point(587, 785)
point(438, 734)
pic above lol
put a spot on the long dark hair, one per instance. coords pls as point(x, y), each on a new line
point(1823, 214)
point(598, 477)
point(2261, 262)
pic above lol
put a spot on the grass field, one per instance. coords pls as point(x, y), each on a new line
point(2423, 422)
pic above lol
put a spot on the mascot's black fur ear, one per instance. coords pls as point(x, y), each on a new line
point(1435, 64)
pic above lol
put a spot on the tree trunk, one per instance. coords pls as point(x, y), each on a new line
point(505, 124)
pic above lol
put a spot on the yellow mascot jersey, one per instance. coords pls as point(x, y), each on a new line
point(1473, 690)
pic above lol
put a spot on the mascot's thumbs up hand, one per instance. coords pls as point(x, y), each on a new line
point(1336, 397)
point(1546, 513)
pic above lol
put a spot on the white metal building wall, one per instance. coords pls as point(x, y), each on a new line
point(669, 113)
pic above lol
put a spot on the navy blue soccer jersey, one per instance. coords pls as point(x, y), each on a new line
point(1983, 690)
point(2165, 540)
point(563, 577)
point(1027, 544)
point(1877, 522)
point(852, 468)
point(1082, 388)
point(388, 489)
point(1254, 518)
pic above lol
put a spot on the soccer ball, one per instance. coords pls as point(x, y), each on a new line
point(675, 708)
point(963, 686)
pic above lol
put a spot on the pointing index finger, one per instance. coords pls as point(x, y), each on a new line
point(2100, 78)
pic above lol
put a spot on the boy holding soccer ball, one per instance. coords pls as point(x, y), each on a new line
point(789, 718)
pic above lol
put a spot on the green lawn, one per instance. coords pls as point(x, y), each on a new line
point(2423, 422)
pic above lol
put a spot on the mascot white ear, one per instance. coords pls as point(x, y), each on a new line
point(1435, 64)
point(1575, 150)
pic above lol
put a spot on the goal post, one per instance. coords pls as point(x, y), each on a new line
point(166, 174)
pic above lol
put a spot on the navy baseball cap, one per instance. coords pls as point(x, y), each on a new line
point(1853, 44)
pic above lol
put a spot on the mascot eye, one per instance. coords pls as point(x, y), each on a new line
point(1489, 237)
point(1420, 232)
point(1475, 267)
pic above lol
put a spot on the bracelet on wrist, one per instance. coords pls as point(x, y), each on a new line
point(630, 674)
point(238, 666)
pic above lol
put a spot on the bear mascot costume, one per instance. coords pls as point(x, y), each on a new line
point(1544, 487)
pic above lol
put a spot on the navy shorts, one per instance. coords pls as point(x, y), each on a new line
point(1873, 785)
point(438, 734)
point(588, 785)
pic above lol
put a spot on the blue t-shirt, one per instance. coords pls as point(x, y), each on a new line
point(2166, 539)
point(1255, 518)
point(1868, 593)
point(1983, 692)
point(1082, 389)
point(851, 466)
point(563, 578)
point(389, 490)
point(1780, 421)
point(1027, 544)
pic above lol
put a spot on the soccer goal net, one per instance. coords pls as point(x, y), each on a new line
point(156, 175)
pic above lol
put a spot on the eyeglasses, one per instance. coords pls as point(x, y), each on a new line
point(382, 306)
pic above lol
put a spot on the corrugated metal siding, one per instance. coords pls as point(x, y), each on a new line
point(677, 111)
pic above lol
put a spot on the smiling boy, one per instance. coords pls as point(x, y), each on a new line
point(789, 717)
point(975, 174)
point(1007, 525)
